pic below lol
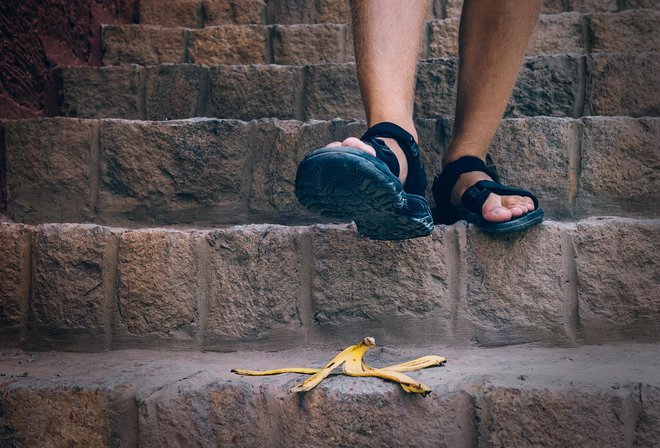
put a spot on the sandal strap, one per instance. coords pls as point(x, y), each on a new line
point(416, 180)
point(474, 197)
point(443, 184)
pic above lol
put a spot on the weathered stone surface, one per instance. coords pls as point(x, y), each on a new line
point(435, 88)
point(55, 417)
point(229, 44)
point(309, 44)
point(649, 4)
point(255, 287)
point(443, 38)
point(557, 33)
point(552, 6)
point(333, 11)
point(647, 431)
point(291, 12)
point(623, 84)
point(171, 13)
point(513, 290)
point(142, 44)
point(619, 166)
point(159, 285)
point(431, 138)
point(100, 92)
point(283, 144)
point(174, 172)
point(14, 281)
point(49, 169)
point(74, 284)
point(233, 91)
point(238, 12)
point(625, 32)
point(578, 417)
point(592, 5)
point(175, 91)
point(332, 91)
point(617, 272)
point(453, 7)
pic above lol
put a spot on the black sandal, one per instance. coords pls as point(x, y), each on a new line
point(474, 197)
point(346, 183)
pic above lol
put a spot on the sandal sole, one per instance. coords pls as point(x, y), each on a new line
point(503, 228)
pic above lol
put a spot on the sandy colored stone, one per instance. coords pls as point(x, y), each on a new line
point(453, 7)
point(74, 283)
point(174, 172)
point(233, 91)
point(631, 31)
point(309, 44)
point(619, 166)
point(291, 12)
point(333, 11)
point(443, 38)
point(14, 281)
point(623, 84)
point(142, 44)
point(651, 4)
point(48, 169)
point(647, 430)
point(331, 91)
point(557, 34)
point(592, 5)
point(159, 284)
point(513, 286)
point(435, 88)
point(229, 44)
point(100, 92)
point(171, 13)
point(617, 272)
point(175, 91)
point(57, 418)
point(255, 286)
point(237, 12)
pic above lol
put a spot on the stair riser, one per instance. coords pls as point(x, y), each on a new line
point(210, 172)
point(630, 32)
point(82, 287)
point(566, 86)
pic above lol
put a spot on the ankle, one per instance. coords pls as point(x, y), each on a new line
point(406, 124)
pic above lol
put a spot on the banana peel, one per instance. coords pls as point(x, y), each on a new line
point(353, 365)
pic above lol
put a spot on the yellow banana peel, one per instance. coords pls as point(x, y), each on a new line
point(353, 365)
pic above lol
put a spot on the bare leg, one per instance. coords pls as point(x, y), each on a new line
point(492, 41)
point(387, 36)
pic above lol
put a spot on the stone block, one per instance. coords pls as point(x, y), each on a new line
point(255, 288)
point(248, 92)
point(50, 169)
point(648, 4)
point(631, 31)
point(623, 84)
point(186, 13)
point(617, 265)
point(229, 44)
point(73, 286)
point(435, 92)
point(592, 5)
point(309, 44)
point(443, 38)
point(333, 11)
point(513, 290)
point(283, 144)
point(142, 44)
point(291, 12)
point(332, 91)
point(647, 430)
point(15, 279)
point(619, 160)
point(174, 172)
point(236, 12)
point(100, 92)
point(552, 6)
point(175, 91)
point(453, 8)
point(557, 33)
point(159, 286)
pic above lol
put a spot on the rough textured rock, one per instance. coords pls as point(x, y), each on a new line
point(233, 87)
point(100, 92)
point(171, 13)
point(229, 44)
point(333, 11)
point(557, 33)
point(619, 166)
point(14, 281)
point(443, 38)
point(435, 88)
point(175, 91)
point(625, 32)
point(331, 91)
point(142, 44)
point(255, 287)
point(238, 12)
point(513, 286)
point(173, 172)
point(291, 12)
point(159, 285)
point(647, 431)
point(623, 84)
point(309, 44)
point(74, 285)
point(50, 169)
point(592, 5)
point(617, 273)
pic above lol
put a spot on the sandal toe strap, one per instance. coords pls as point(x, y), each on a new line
point(444, 182)
point(474, 197)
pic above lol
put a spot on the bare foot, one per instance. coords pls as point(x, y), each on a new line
point(356, 143)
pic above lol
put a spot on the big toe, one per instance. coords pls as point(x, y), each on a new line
point(359, 144)
point(494, 211)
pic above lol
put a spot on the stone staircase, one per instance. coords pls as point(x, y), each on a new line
point(153, 224)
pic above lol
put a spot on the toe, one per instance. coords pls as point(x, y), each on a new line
point(333, 144)
point(494, 211)
point(359, 144)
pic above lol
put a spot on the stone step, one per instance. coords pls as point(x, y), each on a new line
point(630, 32)
point(204, 13)
point(515, 396)
point(559, 85)
point(79, 287)
point(209, 172)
